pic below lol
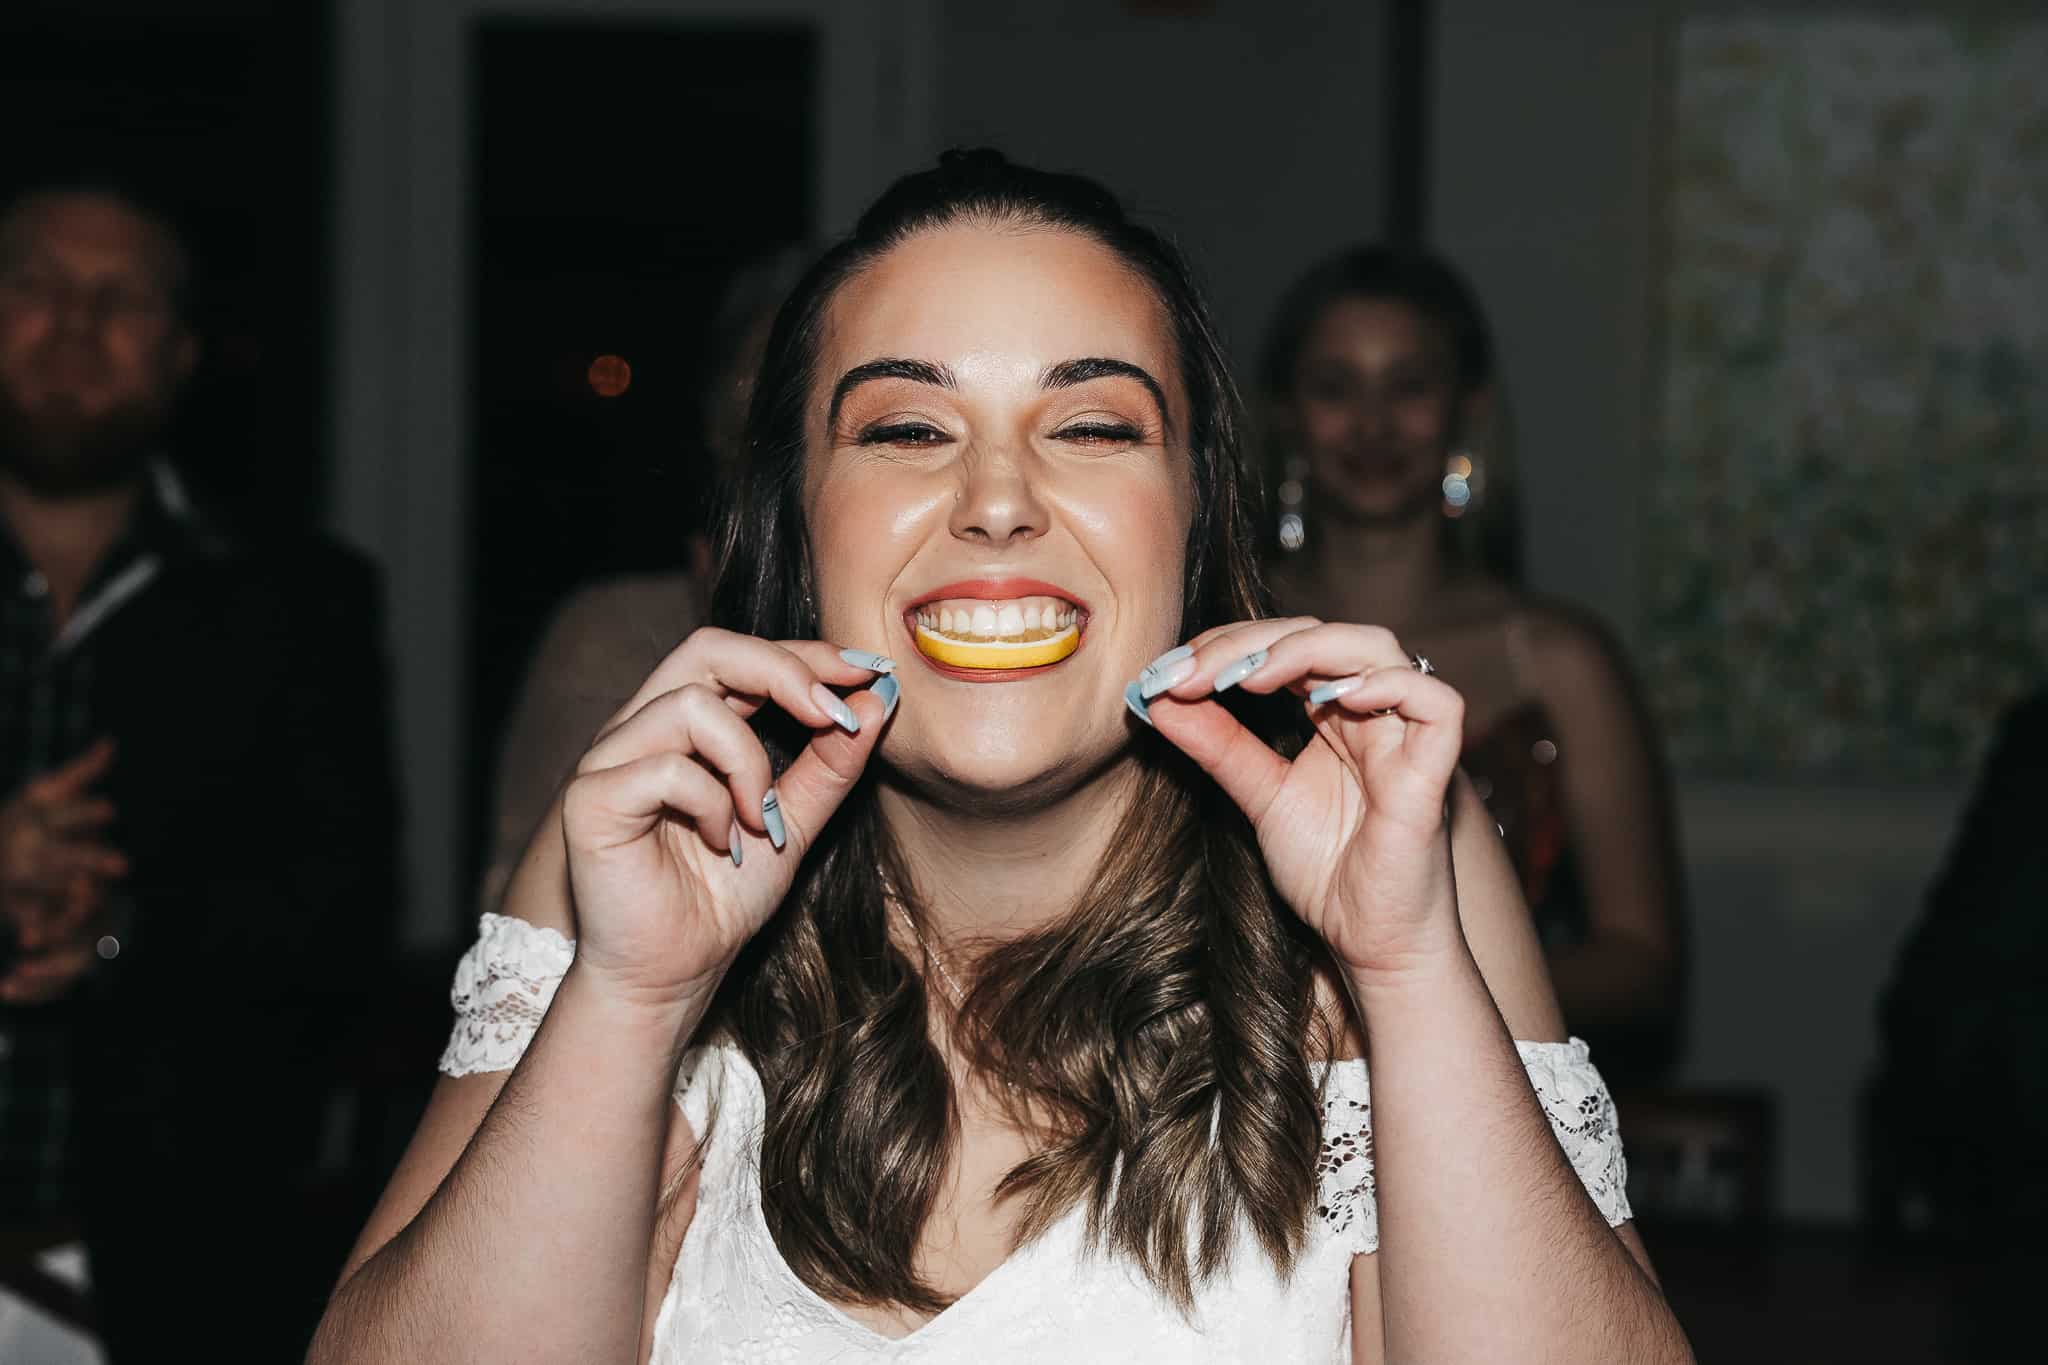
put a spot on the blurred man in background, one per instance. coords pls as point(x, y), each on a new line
point(196, 811)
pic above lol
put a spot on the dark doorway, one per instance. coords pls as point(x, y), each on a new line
point(623, 173)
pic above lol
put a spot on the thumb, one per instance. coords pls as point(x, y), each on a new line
point(1241, 763)
point(810, 789)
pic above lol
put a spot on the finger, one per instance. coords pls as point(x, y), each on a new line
point(70, 780)
point(75, 815)
point(61, 862)
point(811, 788)
point(45, 977)
point(694, 720)
point(1324, 650)
point(751, 669)
point(1214, 652)
point(1435, 712)
point(611, 807)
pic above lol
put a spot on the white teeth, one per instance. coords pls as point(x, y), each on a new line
point(1013, 619)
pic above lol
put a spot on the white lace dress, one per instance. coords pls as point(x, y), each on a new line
point(732, 1297)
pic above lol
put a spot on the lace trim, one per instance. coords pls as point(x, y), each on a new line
point(503, 987)
point(1567, 1085)
point(506, 980)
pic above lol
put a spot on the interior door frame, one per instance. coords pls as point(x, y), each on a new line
point(401, 336)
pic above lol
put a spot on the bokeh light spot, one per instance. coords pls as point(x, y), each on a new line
point(610, 376)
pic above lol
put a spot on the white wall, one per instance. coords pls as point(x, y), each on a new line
point(1254, 132)
point(1545, 182)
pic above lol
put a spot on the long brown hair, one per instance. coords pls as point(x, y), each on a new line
point(1163, 1024)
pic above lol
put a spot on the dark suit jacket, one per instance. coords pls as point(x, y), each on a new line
point(1962, 1092)
point(246, 690)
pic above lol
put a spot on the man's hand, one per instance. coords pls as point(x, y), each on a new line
point(54, 872)
point(53, 950)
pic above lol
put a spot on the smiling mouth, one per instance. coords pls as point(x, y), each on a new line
point(997, 635)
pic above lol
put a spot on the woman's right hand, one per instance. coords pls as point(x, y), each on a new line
point(677, 781)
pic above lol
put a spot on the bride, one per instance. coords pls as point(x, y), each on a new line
point(976, 946)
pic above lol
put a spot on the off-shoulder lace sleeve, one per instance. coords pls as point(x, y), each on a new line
point(502, 989)
point(1568, 1086)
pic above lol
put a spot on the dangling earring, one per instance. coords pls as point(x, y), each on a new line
point(1461, 483)
point(1292, 497)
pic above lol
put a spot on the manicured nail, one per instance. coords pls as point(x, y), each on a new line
point(733, 842)
point(1156, 679)
point(771, 816)
point(874, 663)
point(1135, 699)
point(1239, 671)
point(842, 714)
point(889, 690)
point(1330, 691)
point(1168, 659)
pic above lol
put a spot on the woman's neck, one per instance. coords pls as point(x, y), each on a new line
point(984, 876)
point(1385, 574)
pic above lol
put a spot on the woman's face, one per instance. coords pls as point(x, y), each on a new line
point(996, 448)
point(1374, 407)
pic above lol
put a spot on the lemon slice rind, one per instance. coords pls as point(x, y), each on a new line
point(992, 654)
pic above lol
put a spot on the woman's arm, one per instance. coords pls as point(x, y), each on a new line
point(534, 1188)
point(520, 1225)
point(1618, 805)
point(1491, 1249)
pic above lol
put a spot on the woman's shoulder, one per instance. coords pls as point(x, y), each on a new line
point(640, 614)
point(1567, 654)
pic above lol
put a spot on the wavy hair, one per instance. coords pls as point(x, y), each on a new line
point(1157, 1034)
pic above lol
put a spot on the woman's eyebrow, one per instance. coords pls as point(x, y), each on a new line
point(1068, 373)
point(916, 371)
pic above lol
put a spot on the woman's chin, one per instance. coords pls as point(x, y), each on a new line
point(1376, 502)
point(1002, 773)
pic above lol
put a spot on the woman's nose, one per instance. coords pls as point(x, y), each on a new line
point(998, 501)
point(1371, 416)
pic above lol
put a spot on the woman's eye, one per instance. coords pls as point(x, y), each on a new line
point(1101, 433)
point(902, 434)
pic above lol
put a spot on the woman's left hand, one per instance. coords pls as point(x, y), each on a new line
point(1353, 828)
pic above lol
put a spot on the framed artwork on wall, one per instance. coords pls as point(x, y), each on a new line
point(1848, 550)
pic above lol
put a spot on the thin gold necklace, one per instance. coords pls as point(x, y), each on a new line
point(958, 996)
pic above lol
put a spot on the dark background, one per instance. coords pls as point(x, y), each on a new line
point(616, 170)
point(223, 113)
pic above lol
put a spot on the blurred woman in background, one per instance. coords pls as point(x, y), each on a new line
point(1396, 506)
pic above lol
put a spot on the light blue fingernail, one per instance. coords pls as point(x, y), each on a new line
point(1330, 691)
point(771, 816)
point(1155, 680)
point(1135, 699)
point(1239, 671)
point(842, 714)
point(1169, 658)
point(874, 663)
point(733, 842)
point(889, 690)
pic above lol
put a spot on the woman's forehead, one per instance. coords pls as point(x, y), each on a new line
point(989, 297)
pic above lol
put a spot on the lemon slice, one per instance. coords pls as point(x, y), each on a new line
point(998, 653)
